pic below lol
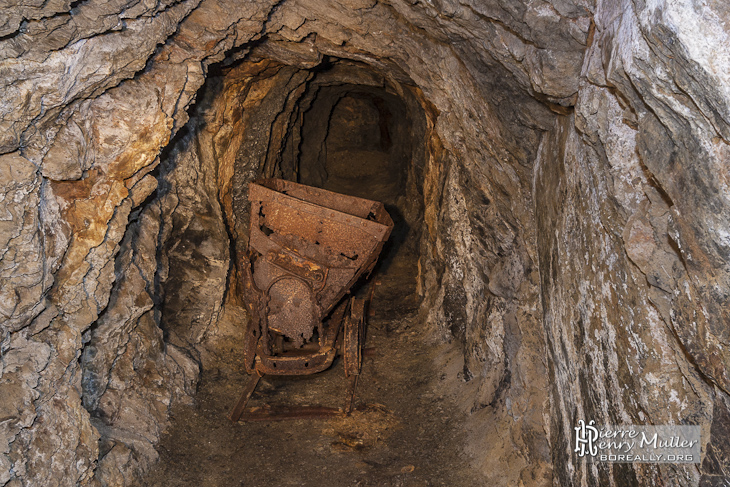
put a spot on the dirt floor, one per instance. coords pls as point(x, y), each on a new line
point(405, 432)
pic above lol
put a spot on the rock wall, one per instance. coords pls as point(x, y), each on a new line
point(639, 170)
point(574, 238)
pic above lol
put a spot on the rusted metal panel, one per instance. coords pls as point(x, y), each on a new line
point(329, 205)
point(245, 396)
point(307, 247)
point(352, 340)
point(294, 264)
point(307, 251)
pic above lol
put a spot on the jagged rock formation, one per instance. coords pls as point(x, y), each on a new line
point(567, 179)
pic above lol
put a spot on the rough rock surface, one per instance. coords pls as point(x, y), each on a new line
point(570, 163)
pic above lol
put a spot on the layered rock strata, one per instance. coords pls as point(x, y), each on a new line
point(566, 177)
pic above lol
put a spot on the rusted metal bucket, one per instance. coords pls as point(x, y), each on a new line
point(307, 248)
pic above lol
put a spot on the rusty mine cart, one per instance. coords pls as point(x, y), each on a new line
point(307, 248)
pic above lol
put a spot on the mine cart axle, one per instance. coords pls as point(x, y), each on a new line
point(352, 359)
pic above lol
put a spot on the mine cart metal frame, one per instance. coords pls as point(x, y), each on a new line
point(307, 248)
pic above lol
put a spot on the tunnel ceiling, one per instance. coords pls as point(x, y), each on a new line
point(567, 184)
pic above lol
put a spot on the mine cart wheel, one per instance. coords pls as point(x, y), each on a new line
point(352, 344)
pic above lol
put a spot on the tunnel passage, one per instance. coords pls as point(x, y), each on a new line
point(366, 140)
point(362, 141)
point(366, 134)
point(342, 127)
point(574, 225)
point(319, 127)
point(356, 128)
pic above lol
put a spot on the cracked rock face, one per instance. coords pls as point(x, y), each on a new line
point(567, 188)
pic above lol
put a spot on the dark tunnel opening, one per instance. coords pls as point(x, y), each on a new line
point(359, 141)
point(344, 128)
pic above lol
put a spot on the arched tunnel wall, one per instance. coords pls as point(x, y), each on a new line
point(571, 171)
point(207, 222)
